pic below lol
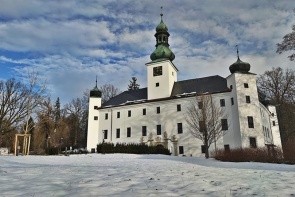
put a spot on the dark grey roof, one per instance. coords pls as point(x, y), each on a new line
point(212, 84)
point(131, 95)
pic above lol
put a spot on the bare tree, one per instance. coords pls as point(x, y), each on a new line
point(108, 91)
point(77, 117)
point(288, 43)
point(133, 84)
point(278, 85)
point(18, 101)
point(206, 121)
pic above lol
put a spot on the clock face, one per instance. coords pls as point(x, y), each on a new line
point(157, 70)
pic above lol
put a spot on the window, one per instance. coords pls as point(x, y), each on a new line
point(118, 133)
point(200, 105)
point(203, 148)
point(180, 148)
point(231, 87)
point(159, 129)
point(95, 117)
point(105, 134)
point(252, 142)
point(158, 110)
point(157, 84)
point(226, 148)
point(246, 85)
point(222, 102)
point(250, 122)
point(248, 99)
point(143, 130)
point(128, 131)
point(273, 123)
point(129, 113)
point(202, 126)
point(179, 127)
point(178, 107)
point(272, 114)
point(157, 71)
point(95, 107)
point(118, 114)
point(106, 116)
point(144, 111)
point(232, 101)
point(224, 125)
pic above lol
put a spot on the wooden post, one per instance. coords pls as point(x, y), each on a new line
point(15, 144)
point(24, 145)
point(29, 144)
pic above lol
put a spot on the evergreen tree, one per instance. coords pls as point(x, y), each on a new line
point(133, 84)
point(57, 111)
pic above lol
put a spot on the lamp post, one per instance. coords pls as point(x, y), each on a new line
point(102, 146)
point(48, 145)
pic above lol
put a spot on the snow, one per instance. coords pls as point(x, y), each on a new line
point(141, 175)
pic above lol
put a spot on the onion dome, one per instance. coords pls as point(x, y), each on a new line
point(95, 92)
point(162, 26)
point(239, 66)
point(162, 50)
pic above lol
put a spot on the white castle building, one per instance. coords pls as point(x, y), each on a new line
point(157, 113)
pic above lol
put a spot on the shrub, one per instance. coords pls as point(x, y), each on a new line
point(250, 154)
point(131, 148)
point(52, 151)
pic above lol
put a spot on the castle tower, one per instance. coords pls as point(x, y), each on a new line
point(93, 118)
point(161, 72)
point(245, 106)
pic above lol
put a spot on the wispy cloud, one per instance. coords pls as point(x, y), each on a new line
point(70, 42)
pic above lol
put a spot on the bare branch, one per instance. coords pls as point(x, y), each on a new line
point(205, 123)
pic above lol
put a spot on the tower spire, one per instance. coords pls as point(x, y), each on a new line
point(162, 50)
point(96, 81)
point(237, 46)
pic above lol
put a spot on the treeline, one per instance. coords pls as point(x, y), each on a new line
point(25, 107)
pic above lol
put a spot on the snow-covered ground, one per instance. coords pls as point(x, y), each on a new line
point(141, 175)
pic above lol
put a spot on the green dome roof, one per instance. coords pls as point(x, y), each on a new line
point(162, 52)
point(161, 27)
point(240, 66)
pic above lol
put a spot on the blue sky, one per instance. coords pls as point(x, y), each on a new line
point(69, 42)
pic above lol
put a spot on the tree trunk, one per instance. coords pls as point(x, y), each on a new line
point(206, 151)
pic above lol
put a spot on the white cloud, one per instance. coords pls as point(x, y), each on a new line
point(70, 42)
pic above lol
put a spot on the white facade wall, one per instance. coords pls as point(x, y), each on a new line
point(165, 81)
point(167, 118)
point(237, 136)
point(93, 125)
point(245, 110)
point(274, 126)
point(266, 124)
